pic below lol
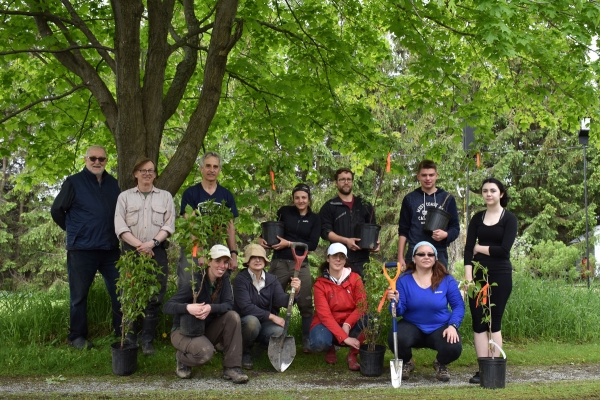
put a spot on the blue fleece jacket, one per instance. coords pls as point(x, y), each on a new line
point(428, 309)
point(414, 210)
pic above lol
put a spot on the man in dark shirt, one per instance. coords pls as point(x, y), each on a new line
point(194, 196)
point(341, 215)
point(85, 209)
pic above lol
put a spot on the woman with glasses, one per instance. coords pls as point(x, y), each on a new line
point(144, 219)
point(490, 237)
point(422, 296)
point(301, 224)
point(340, 306)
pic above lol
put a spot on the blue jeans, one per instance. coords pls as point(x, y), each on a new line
point(253, 330)
point(321, 338)
point(410, 337)
point(82, 266)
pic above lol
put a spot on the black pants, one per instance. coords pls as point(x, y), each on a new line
point(410, 337)
point(150, 320)
point(498, 297)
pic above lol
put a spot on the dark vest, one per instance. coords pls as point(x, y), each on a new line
point(91, 219)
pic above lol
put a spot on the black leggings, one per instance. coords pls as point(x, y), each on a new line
point(499, 297)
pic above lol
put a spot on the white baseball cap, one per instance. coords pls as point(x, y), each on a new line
point(336, 248)
point(218, 250)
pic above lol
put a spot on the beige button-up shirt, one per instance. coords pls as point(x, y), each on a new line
point(143, 216)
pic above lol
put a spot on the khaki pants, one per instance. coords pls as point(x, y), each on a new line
point(195, 351)
point(284, 271)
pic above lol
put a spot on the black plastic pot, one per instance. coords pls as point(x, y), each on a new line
point(191, 326)
point(436, 219)
point(371, 362)
point(270, 231)
point(368, 235)
point(124, 360)
point(492, 372)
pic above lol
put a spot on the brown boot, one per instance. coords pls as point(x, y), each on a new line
point(352, 361)
point(330, 356)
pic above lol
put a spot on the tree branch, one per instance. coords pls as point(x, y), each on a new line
point(78, 22)
point(66, 49)
point(250, 85)
point(45, 99)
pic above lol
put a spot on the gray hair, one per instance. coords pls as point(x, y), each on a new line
point(96, 147)
point(209, 154)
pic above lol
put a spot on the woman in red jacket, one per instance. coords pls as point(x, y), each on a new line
point(340, 306)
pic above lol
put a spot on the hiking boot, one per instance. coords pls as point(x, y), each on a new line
point(148, 349)
point(247, 361)
point(183, 371)
point(407, 368)
point(81, 343)
point(353, 364)
point(475, 379)
point(330, 356)
point(306, 345)
point(235, 375)
point(441, 371)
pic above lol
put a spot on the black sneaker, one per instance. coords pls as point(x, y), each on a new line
point(148, 349)
point(247, 361)
point(183, 371)
point(81, 343)
point(441, 371)
point(475, 379)
point(407, 368)
point(234, 375)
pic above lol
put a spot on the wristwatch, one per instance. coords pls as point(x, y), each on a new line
point(455, 327)
point(234, 252)
point(156, 242)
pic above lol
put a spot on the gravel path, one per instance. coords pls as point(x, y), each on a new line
point(263, 381)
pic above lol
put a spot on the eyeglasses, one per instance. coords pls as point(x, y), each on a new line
point(94, 159)
point(343, 180)
point(430, 255)
point(146, 171)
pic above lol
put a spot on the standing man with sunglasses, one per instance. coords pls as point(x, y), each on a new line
point(85, 208)
point(341, 215)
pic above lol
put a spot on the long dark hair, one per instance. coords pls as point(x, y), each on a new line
point(438, 269)
point(504, 199)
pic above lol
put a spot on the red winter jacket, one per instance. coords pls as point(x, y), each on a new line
point(336, 304)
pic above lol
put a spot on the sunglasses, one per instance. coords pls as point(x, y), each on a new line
point(430, 255)
point(94, 159)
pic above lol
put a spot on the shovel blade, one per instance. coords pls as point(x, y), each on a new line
point(282, 350)
point(396, 370)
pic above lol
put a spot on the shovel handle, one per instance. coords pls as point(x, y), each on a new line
point(299, 259)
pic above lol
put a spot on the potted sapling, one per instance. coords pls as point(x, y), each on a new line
point(137, 283)
point(198, 232)
point(492, 370)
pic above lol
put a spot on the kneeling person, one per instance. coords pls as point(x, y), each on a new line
point(423, 294)
point(222, 324)
point(258, 297)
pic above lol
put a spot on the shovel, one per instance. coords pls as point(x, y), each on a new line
point(395, 364)
point(282, 349)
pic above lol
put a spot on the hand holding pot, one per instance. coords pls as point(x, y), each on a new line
point(263, 243)
point(282, 244)
point(439, 235)
point(352, 342)
point(351, 244)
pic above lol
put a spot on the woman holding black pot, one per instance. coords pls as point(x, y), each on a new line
point(222, 325)
point(490, 237)
point(301, 224)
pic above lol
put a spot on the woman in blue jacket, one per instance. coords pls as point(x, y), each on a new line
point(258, 296)
point(423, 294)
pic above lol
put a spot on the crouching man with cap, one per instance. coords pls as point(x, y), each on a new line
point(258, 297)
point(222, 324)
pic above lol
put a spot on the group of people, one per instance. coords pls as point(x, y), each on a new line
point(240, 317)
